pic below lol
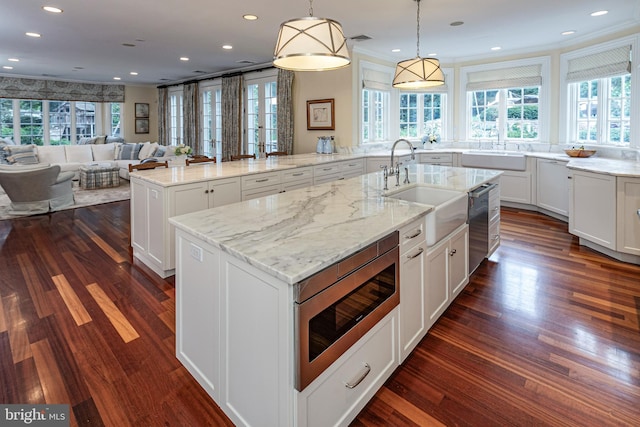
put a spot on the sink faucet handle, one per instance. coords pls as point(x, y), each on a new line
point(406, 176)
point(385, 173)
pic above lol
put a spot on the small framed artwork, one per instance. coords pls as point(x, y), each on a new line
point(321, 114)
point(142, 125)
point(142, 110)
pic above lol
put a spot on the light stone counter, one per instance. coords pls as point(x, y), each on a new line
point(295, 234)
point(616, 167)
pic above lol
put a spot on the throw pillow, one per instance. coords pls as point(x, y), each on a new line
point(129, 151)
point(148, 149)
point(160, 151)
point(100, 139)
point(21, 154)
point(3, 154)
point(110, 139)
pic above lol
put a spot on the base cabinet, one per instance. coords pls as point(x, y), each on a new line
point(447, 272)
point(553, 186)
point(592, 211)
point(628, 215)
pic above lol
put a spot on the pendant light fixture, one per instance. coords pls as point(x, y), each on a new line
point(311, 44)
point(417, 73)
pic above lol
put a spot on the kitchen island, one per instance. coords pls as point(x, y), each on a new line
point(236, 267)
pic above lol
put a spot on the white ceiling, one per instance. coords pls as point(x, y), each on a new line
point(85, 42)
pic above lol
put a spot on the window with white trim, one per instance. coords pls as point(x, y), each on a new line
point(375, 102)
point(115, 119)
point(211, 120)
point(503, 103)
point(261, 117)
point(599, 97)
point(421, 114)
point(175, 117)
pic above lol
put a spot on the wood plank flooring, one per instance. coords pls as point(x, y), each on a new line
point(546, 333)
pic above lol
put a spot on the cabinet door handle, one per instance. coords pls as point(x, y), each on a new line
point(262, 180)
point(453, 252)
point(417, 254)
point(416, 234)
point(638, 213)
point(366, 371)
point(206, 191)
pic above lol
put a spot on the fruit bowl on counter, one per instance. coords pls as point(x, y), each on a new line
point(580, 152)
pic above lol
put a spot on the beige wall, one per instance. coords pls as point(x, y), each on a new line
point(322, 85)
point(146, 94)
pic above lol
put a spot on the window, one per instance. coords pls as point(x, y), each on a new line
point(48, 122)
point(375, 106)
point(115, 120)
point(212, 120)
point(507, 102)
point(598, 93)
point(31, 122)
point(261, 115)
point(504, 114)
point(175, 117)
point(421, 114)
point(603, 111)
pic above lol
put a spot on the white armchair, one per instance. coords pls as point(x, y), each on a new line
point(36, 189)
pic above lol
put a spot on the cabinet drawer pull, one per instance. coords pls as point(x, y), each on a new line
point(416, 234)
point(352, 165)
point(262, 180)
point(327, 169)
point(417, 254)
point(366, 371)
point(298, 174)
point(453, 252)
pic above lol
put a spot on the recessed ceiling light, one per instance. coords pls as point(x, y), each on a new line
point(432, 54)
point(36, 35)
point(52, 9)
point(568, 33)
point(13, 60)
point(117, 78)
point(184, 58)
point(134, 73)
point(227, 47)
point(600, 13)
point(395, 50)
point(250, 17)
point(7, 67)
point(496, 48)
point(456, 23)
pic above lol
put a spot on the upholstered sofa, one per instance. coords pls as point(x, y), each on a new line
point(72, 157)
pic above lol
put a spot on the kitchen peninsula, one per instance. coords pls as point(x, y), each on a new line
point(236, 267)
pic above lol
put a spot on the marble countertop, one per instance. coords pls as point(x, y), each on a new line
point(208, 171)
point(295, 234)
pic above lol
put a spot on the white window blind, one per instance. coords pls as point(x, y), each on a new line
point(376, 80)
point(505, 78)
point(610, 63)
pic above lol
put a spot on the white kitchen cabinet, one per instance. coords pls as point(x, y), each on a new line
point(442, 159)
point(352, 168)
point(553, 186)
point(516, 187)
point(376, 164)
point(261, 184)
point(447, 272)
point(334, 171)
point(494, 220)
point(297, 178)
point(413, 253)
point(592, 209)
point(198, 307)
point(628, 204)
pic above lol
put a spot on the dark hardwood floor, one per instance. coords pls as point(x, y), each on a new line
point(546, 333)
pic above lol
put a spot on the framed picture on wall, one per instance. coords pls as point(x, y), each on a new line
point(142, 110)
point(142, 125)
point(321, 114)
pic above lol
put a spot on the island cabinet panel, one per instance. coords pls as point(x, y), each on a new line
point(297, 178)
point(592, 212)
point(329, 400)
point(352, 168)
point(494, 219)
point(257, 346)
point(553, 186)
point(413, 253)
point(628, 215)
point(147, 223)
point(326, 172)
point(447, 272)
point(198, 311)
point(442, 159)
point(261, 184)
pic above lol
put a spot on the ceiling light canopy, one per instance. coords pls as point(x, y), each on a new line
point(418, 73)
point(311, 44)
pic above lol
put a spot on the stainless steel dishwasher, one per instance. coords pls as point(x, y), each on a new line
point(478, 225)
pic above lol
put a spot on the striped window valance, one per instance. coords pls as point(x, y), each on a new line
point(505, 78)
point(609, 63)
point(376, 80)
point(23, 88)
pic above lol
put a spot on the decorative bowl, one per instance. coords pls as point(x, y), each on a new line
point(580, 153)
